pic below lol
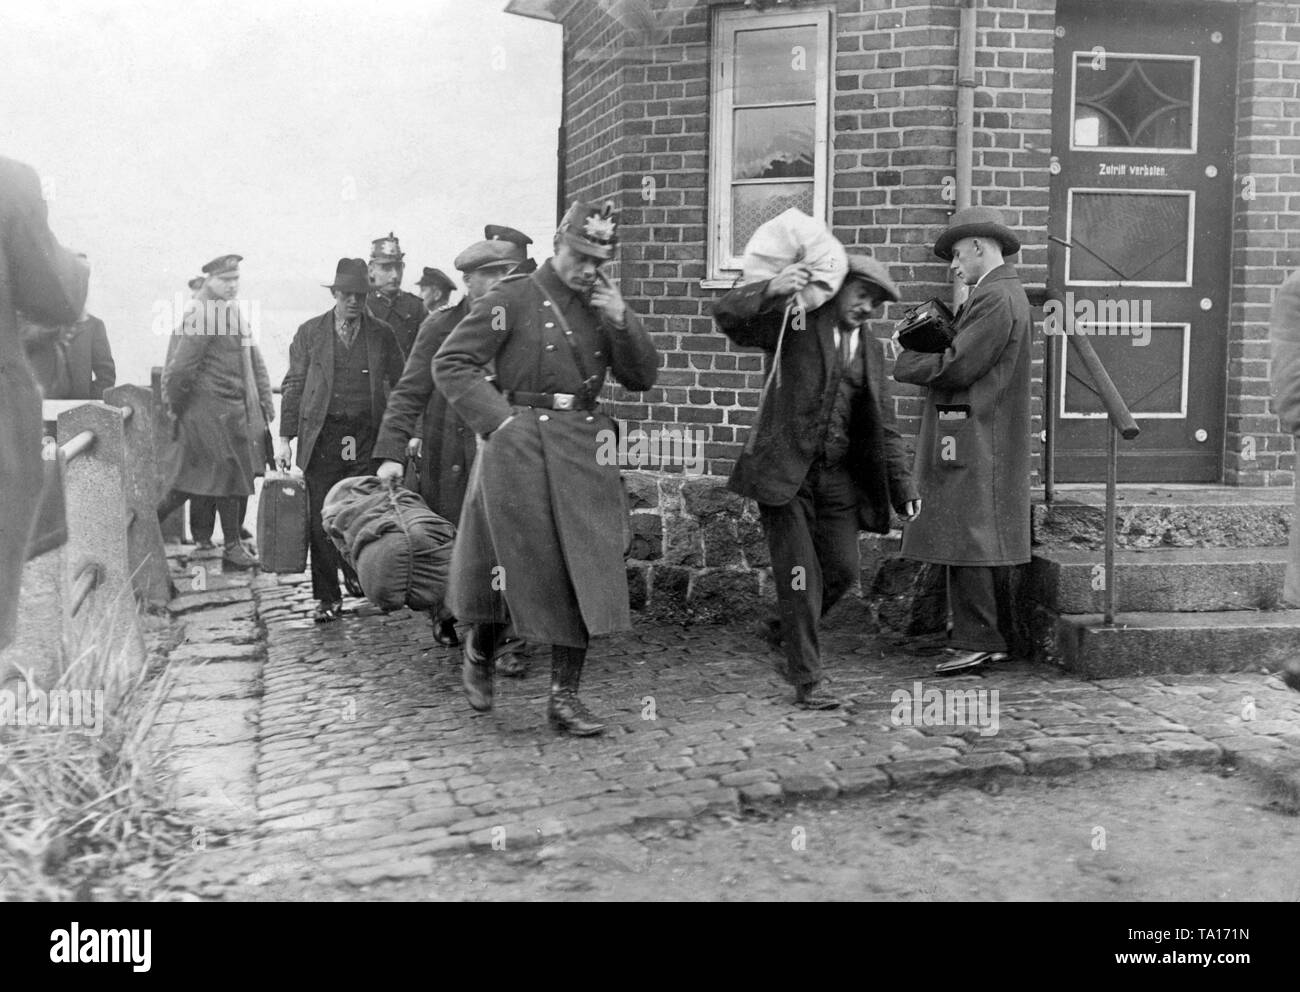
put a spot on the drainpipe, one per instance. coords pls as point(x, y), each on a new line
point(965, 120)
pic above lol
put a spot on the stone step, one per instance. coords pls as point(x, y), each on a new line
point(1153, 643)
point(1164, 580)
point(1161, 517)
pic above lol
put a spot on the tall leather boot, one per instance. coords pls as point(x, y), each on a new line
point(477, 653)
point(566, 711)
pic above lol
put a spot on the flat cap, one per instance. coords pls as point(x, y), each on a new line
point(873, 271)
point(484, 253)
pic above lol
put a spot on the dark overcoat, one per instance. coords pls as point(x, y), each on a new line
point(90, 360)
point(48, 283)
point(220, 418)
point(403, 312)
point(794, 417)
point(544, 523)
point(447, 443)
point(309, 383)
point(973, 452)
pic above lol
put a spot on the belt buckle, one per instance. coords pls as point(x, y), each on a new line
point(563, 401)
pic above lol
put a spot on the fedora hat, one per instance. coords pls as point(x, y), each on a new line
point(867, 268)
point(350, 277)
point(976, 222)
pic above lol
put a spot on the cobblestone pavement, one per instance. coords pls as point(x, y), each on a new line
point(368, 761)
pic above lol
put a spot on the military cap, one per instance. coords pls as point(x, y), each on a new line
point(482, 254)
point(976, 222)
point(436, 277)
point(222, 264)
point(499, 232)
point(590, 229)
point(875, 272)
point(350, 276)
point(386, 249)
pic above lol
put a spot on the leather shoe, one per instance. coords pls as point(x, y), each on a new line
point(567, 713)
point(237, 557)
point(444, 632)
point(511, 665)
point(814, 697)
point(327, 612)
point(961, 661)
point(476, 672)
point(204, 544)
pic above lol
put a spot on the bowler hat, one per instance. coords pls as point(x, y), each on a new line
point(976, 222)
point(386, 249)
point(223, 263)
point(590, 229)
point(436, 277)
point(484, 253)
point(877, 273)
point(350, 277)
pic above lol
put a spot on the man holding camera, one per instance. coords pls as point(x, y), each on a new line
point(824, 459)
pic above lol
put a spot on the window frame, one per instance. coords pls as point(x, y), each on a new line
point(722, 269)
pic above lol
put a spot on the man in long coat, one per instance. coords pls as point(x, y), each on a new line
point(1284, 342)
point(341, 366)
point(216, 387)
point(543, 530)
point(388, 302)
point(47, 282)
point(973, 452)
point(825, 459)
point(417, 410)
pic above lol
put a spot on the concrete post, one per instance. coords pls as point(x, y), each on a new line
point(173, 528)
point(146, 556)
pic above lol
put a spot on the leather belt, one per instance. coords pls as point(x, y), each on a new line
point(550, 401)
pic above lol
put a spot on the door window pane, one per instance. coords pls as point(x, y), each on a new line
point(776, 65)
point(1149, 377)
point(1133, 102)
point(773, 143)
point(1143, 237)
point(753, 204)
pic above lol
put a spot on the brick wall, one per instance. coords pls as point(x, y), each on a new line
point(1265, 237)
point(637, 106)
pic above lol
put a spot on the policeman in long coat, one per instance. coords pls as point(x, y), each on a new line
point(448, 444)
point(544, 522)
point(216, 387)
point(47, 282)
point(388, 302)
point(973, 452)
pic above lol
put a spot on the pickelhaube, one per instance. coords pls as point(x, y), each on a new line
point(386, 249)
point(590, 229)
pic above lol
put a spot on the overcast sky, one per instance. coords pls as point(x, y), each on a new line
point(292, 133)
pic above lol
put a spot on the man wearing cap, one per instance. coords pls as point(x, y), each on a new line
point(387, 301)
point(448, 444)
point(341, 366)
point(216, 387)
point(973, 452)
point(499, 232)
point(825, 460)
point(543, 529)
point(435, 290)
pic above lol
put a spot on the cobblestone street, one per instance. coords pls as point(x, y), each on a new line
point(346, 751)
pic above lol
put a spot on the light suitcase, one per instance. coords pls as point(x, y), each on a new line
point(282, 531)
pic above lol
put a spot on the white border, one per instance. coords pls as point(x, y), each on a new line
point(1102, 415)
point(1191, 233)
point(1124, 149)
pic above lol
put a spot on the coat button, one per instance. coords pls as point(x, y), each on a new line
point(546, 303)
point(544, 417)
point(549, 324)
point(550, 347)
point(596, 353)
point(455, 468)
point(590, 419)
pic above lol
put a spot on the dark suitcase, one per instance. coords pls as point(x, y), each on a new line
point(282, 523)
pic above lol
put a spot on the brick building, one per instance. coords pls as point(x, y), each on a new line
point(1158, 140)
